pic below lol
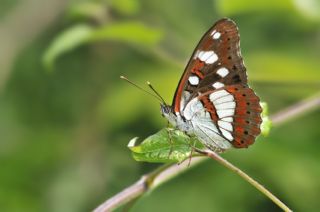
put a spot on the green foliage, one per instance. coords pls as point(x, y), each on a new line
point(130, 32)
point(266, 122)
point(126, 7)
point(6, 6)
point(67, 41)
point(87, 10)
point(305, 8)
point(231, 7)
point(290, 67)
point(166, 146)
point(309, 8)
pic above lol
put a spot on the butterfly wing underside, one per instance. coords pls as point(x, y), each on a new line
point(217, 53)
point(235, 111)
point(215, 77)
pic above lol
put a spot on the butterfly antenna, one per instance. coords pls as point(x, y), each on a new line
point(156, 92)
point(159, 98)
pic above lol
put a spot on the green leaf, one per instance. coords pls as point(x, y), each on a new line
point(306, 8)
point(131, 32)
point(126, 7)
point(157, 148)
point(266, 122)
point(65, 42)
point(95, 10)
point(283, 67)
point(309, 8)
point(232, 7)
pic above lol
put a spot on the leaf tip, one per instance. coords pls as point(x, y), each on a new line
point(132, 143)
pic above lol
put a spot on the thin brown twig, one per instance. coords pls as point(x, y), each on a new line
point(296, 110)
point(146, 183)
point(164, 173)
point(125, 196)
point(246, 177)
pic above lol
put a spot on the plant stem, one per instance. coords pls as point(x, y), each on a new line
point(166, 172)
point(246, 177)
point(146, 183)
point(296, 110)
point(125, 196)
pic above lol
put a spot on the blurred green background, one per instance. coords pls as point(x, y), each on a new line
point(66, 118)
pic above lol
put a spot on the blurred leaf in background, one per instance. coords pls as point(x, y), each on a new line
point(64, 133)
point(130, 32)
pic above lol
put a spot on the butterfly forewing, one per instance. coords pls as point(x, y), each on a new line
point(216, 62)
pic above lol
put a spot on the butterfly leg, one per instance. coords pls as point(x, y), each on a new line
point(192, 147)
point(169, 131)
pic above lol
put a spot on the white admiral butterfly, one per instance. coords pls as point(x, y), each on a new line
point(213, 100)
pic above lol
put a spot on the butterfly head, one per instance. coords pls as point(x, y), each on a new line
point(167, 112)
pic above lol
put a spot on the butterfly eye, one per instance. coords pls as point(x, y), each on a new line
point(165, 109)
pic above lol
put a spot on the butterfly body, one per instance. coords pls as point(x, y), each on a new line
point(213, 100)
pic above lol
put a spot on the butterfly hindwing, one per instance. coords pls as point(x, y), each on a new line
point(216, 62)
point(235, 111)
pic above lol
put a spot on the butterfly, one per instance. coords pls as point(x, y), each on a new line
point(213, 101)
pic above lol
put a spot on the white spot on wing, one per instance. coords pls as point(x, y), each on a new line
point(204, 55)
point(223, 72)
point(225, 125)
point(228, 119)
point(208, 57)
point(227, 134)
point(225, 113)
point(217, 85)
point(194, 80)
point(226, 105)
point(218, 94)
point(213, 58)
point(216, 35)
point(228, 98)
